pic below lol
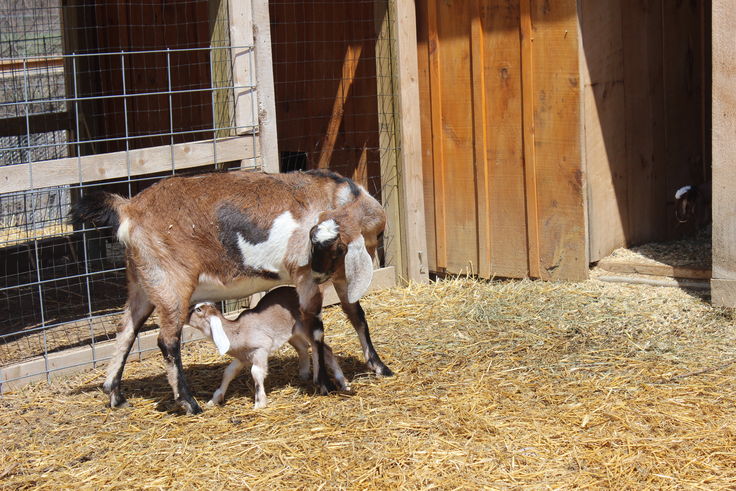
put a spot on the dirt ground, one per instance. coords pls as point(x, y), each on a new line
point(522, 384)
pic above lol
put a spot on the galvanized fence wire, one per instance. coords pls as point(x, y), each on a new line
point(62, 288)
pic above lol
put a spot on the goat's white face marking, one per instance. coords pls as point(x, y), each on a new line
point(218, 335)
point(681, 192)
point(326, 231)
point(358, 269)
point(269, 255)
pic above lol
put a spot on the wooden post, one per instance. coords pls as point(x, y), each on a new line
point(409, 166)
point(387, 135)
point(723, 284)
point(243, 62)
point(269, 143)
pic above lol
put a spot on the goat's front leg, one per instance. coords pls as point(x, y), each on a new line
point(169, 342)
point(310, 305)
point(357, 318)
point(137, 310)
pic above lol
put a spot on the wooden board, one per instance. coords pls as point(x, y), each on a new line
point(504, 158)
point(557, 140)
point(91, 168)
point(654, 269)
point(724, 154)
point(605, 125)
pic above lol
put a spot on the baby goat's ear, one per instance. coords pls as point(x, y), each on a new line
point(358, 268)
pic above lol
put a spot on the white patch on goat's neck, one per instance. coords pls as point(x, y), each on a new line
point(124, 231)
point(681, 192)
point(327, 231)
point(269, 255)
point(218, 335)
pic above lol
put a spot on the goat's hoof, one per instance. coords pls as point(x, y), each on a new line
point(118, 401)
point(213, 403)
point(384, 371)
point(191, 407)
point(327, 387)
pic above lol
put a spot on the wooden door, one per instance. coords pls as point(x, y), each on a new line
point(501, 132)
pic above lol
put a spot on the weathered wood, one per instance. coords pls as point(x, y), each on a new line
point(530, 162)
point(387, 134)
point(243, 66)
point(426, 120)
point(504, 138)
point(557, 140)
point(654, 269)
point(268, 135)
point(90, 168)
point(480, 149)
point(605, 126)
point(438, 156)
point(456, 128)
point(724, 154)
point(414, 240)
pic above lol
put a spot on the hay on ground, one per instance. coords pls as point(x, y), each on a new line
point(501, 384)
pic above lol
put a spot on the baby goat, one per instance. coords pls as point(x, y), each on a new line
point(227, 235)
point(257, 333)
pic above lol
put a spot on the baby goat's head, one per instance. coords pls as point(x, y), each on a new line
point(205, 317)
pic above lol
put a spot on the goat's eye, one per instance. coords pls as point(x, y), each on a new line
point(198, 310)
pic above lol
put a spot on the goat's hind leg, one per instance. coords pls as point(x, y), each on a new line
point(137, 310)
point(169, 342)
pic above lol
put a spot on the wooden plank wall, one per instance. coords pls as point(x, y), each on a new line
point(645, 115)
point(499, 87)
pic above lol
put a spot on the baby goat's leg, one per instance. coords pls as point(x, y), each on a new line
point(137, 310)
point(259, 370)
point(232, 371)
point(357, 318)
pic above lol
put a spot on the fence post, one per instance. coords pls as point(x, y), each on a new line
point(269, 146)
point(413, 239)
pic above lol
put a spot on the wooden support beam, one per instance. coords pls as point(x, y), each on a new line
point(387, 134)
point(724, 154)
point(414, 244)
point(530, 172)
point(90, 168)
point(243, 63)
point(266, 92)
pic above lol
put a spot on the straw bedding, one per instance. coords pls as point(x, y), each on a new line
point(502, 384)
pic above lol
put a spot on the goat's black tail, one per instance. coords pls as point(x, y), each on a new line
point(99, 209)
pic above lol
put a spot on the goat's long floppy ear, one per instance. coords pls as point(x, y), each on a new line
point(358, 269)
point(219, 336)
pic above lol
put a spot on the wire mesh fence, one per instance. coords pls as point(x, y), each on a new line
point(118, 93)
point(100, 93)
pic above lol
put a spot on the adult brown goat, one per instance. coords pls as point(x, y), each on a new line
point(227, 235)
